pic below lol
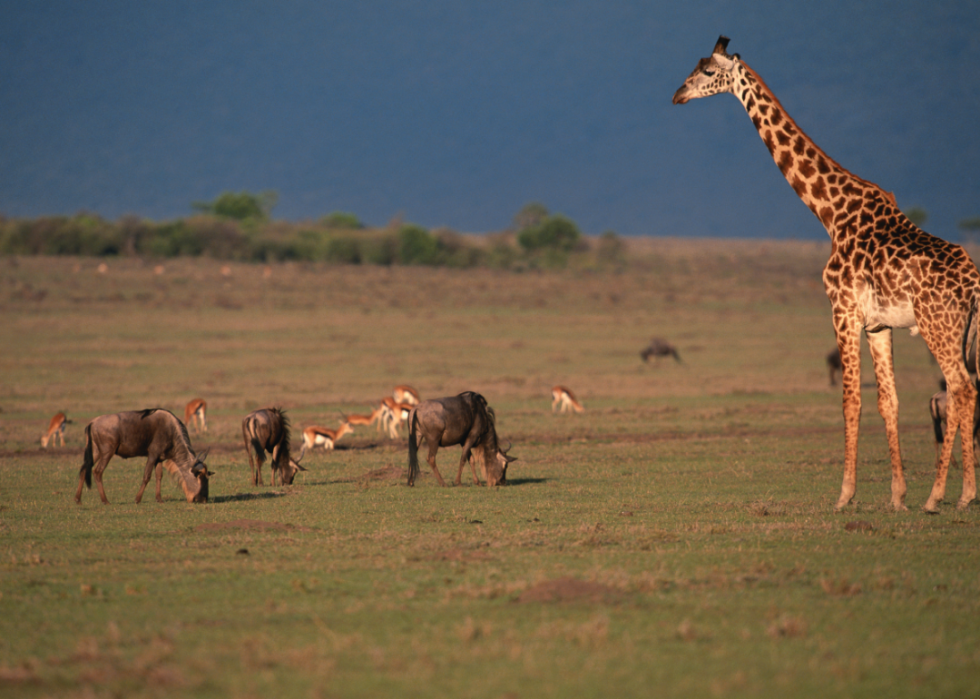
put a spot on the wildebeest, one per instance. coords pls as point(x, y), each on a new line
point(659, 348)
point(937, 410)
point(834, 365)
point(196, 415)
point(466, 420)
point(56, 430)
point(154, 433)
point(267, 430)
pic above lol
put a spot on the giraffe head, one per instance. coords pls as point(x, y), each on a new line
point(713, 75)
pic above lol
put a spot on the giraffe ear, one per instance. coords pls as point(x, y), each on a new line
point(722, 45)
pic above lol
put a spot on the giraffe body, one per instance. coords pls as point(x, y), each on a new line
point(883, 273)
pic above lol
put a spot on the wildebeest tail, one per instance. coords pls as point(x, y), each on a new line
point(88, 462)
point(413, 449)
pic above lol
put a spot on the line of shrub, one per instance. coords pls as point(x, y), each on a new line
point(338, 238)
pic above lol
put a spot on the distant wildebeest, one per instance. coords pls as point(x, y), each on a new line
point(195, 415)
point(659, 348)
point(561, 396)
point(322, 436)
point(267, 430)
point(937, 410)
point(56, 430)
point(834, 365)
point(154, 433)
point(466, 420)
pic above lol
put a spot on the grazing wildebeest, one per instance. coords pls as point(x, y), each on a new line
point(267, 429)
point(659, 348)
point(196, 415)
point(465, 420)
point(834, 365)
point(937, 410)
point(56, 430)
point(154, 433)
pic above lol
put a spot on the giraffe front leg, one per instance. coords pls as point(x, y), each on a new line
point(880, 344)
point(849, 343)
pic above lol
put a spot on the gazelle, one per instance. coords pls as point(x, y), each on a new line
point(374, 417)
point(195, 415)
point(394, 414)
point(56, 430)
point(566, 399)
point(405, 394)
point(316, 436)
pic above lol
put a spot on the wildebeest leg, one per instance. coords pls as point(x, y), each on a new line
point(159, 470)
point(249, 446)
point(432, 461)
point(467, 453)
point(481, 455)
point(274, 464)
point(151, 464)
point(97, 471)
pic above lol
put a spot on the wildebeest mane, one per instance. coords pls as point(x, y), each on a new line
point(284, 444)
point(185, 435)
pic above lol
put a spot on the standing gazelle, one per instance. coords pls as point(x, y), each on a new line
point(405, 394)
point(562, 396)
point(195, 415)
point(56, 430)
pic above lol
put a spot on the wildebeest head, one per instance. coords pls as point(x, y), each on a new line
point(496, 467)
point(290, 470)
point(201, 473)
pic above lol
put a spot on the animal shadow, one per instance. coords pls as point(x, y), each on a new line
point(244, 497)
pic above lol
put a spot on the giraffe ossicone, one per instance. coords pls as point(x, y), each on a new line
point(883, 273)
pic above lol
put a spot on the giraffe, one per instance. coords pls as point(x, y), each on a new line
point(883, 273)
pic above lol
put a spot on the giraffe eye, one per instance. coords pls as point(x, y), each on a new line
point(709, 73)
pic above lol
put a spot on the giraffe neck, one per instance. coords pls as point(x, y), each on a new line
point(820, 182)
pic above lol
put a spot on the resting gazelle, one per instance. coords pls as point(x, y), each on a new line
point(316, 436)
point(561, 396)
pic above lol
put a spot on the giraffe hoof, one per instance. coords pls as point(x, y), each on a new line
point(930, 509)
point(963, 504)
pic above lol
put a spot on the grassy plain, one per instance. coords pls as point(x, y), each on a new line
point(676, 539)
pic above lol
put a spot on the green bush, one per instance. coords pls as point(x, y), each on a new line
point(556, 233)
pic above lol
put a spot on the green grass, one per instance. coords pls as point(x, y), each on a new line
point(676, 539)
